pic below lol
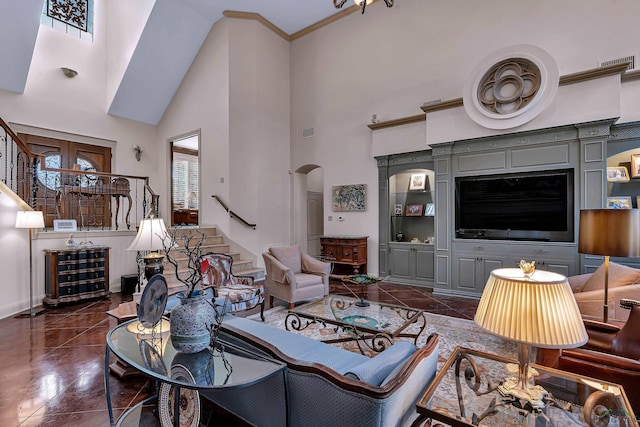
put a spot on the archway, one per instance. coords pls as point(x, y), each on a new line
point(309, 208)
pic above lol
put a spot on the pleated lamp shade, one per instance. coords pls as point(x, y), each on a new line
point(539, 311)
point(150, 237)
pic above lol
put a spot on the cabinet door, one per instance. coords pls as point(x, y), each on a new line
point(424, 265)
point(400, 262)
point(465, 266)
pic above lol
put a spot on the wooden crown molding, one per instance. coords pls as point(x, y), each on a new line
point(594, 73)
point(298, 34)
point(398, 122)
point(257, 17)
point(444, 105)
point(326, 21)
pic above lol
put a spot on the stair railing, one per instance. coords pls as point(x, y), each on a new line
point(84, 195)
point(232, 214)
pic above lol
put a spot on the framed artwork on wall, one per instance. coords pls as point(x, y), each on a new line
point(418, 182)
point(349, 198)
point(617, 174)
point(414, 210)
point(619, 202)
point(430, 210)
point(635, 166)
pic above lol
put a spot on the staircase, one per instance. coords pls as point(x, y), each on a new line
point(213, 242)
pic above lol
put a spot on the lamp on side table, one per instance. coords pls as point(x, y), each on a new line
point(536, 309)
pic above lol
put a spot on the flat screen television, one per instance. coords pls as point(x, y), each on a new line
point(536, 206)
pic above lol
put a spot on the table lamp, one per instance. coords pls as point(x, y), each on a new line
point(536, 309)
point(151, 235)
point(30, 220)
point(609, 232)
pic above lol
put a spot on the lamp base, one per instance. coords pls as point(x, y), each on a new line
point(33, 312)
point(534, 396)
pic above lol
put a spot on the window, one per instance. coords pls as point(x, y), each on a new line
point(74, 17)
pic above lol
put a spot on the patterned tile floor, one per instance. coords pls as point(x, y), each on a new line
point(52, 365)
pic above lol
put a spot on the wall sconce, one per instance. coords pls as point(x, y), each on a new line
point(138, 151)
point(69, 72)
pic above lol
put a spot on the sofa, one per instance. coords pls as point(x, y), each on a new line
point(327, 385)
point(588, 290)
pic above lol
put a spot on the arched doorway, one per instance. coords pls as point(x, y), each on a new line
point(310, 215)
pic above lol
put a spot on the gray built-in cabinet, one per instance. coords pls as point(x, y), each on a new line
point(460, 266)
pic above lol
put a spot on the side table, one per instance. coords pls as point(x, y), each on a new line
point(464, 393)
point(228, 375)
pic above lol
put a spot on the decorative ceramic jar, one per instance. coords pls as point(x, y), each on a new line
point(191, 320)
point(399, 236)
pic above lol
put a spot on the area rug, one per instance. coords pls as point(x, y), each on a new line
point(452, 332)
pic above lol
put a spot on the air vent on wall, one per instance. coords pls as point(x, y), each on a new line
point(630, 59)
point(307, 133)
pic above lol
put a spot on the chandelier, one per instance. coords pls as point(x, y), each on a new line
point(360, 3)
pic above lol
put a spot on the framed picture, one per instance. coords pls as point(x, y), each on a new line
point(349, 198)
point(430, 210)
point(635, 166)
point(418, 182)
point(620, 202)
point(413, 210)
point(398, 209)
point(617, 174)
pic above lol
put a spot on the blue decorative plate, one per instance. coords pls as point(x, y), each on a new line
point(153, 301)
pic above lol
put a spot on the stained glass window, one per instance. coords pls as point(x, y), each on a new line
point(74, 17)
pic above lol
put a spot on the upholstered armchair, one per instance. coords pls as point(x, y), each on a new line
point(611, 354)
point(241, 292)
point(588, 290)
point(294, 276)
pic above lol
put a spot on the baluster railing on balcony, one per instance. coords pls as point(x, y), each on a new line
point(96, 200)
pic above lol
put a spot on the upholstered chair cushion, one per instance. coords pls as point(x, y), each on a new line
point(619, 275)
point(289, 256)
point(376, 369)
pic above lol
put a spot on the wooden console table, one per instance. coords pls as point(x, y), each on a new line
point(76, 274)
point(348, 254)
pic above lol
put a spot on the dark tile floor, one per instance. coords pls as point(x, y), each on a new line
point(52, 366)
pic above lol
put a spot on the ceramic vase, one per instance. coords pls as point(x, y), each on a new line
point(191, 320)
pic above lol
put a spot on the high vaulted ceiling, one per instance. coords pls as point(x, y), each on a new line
point(168, 45)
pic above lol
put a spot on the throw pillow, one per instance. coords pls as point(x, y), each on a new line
point(289, 256)
point(376, 369)
point(619, 275)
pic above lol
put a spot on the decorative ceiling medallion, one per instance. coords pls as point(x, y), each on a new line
point(71, 12)
point(511, 87)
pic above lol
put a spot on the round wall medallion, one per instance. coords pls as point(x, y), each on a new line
point(511, 87)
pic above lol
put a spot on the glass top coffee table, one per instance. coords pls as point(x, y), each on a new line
point(465, 393)
point(376, 325)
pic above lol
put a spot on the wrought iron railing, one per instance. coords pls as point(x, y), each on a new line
point(95, 200)
point(232, 214)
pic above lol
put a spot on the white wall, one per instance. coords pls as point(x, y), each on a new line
point(236, 92)
point(75, 108)
point(388, 62)
point(126, 22)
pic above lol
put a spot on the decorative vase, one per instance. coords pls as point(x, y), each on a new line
point(399, 236)
point(190, 322)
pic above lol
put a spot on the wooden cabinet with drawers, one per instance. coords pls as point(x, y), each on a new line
point(348, 254)
point(76, 274)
